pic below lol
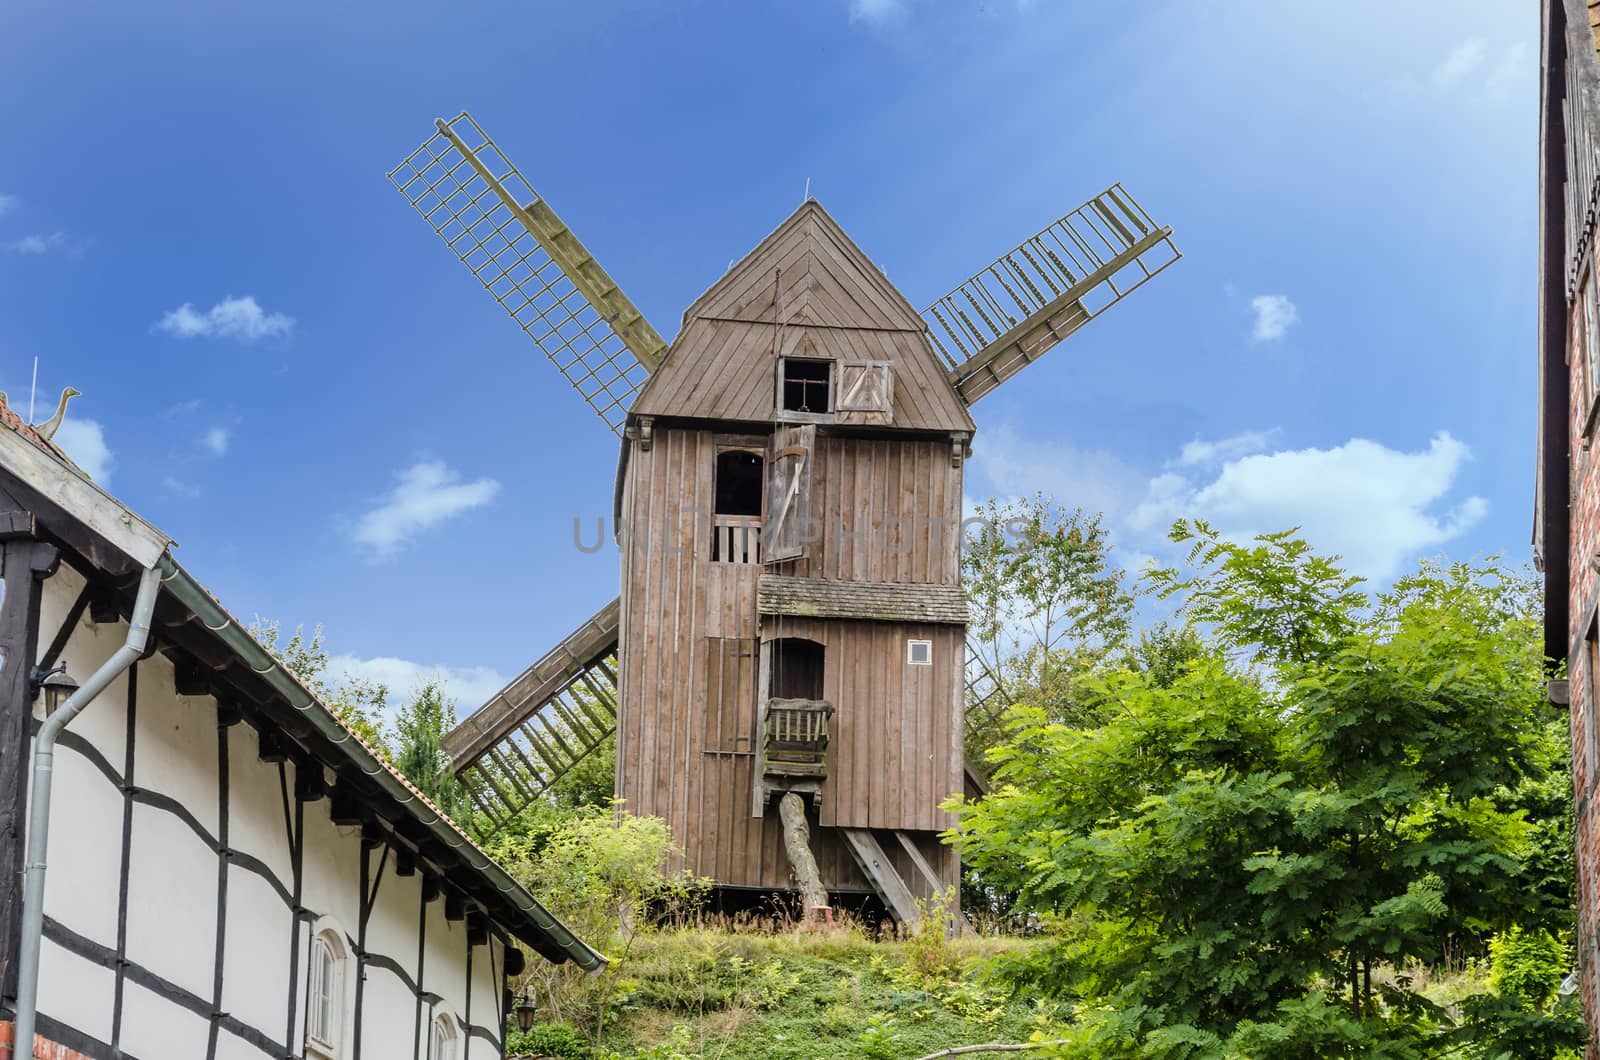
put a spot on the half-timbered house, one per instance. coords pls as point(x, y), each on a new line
point(232, 872)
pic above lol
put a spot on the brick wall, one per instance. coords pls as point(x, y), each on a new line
point(42, 1048)
point(1584, 465)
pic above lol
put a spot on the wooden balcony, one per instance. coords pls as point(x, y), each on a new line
point(794, 743)
point(735, 539)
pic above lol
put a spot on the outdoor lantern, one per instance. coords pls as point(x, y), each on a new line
point(56, 684)
point(524, 1012)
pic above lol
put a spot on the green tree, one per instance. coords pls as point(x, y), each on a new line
point(1046, 606)
point(1238, 843)
point(419, 728)
point(357, 702)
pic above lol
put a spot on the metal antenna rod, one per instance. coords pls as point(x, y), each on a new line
point(807, 195)
point(34, 386)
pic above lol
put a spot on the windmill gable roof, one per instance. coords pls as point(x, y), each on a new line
point(806, 290)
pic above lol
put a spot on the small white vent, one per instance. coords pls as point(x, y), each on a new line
point(919, 652)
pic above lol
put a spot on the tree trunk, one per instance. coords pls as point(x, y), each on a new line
point(797, 841)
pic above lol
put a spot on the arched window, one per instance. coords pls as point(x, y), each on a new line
point(325, 990)
point(797, 669)
point(738, 482)
point(443, 1043)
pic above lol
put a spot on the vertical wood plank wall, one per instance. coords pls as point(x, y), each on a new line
point(888, 510)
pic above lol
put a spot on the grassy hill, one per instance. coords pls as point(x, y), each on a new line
point(704, 994)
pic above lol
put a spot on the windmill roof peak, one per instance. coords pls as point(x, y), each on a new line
point(811, 223)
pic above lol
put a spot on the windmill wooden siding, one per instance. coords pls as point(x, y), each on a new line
point(677, 603)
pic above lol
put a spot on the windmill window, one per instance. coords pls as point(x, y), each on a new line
point(797, 668)
point(866, 387)
point(740, 478)
point(806, 385)
point(738, 489)
point(919, 652)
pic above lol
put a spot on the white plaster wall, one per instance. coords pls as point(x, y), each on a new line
point(90, 1003)
point(392, 927)
point(446, 962)
point(85, 859)
point(154, 1027)
point(389, 1008)
point(255, 961)
point(255, 804)
point(487, 985)
point(332, 867)
point(172, 901)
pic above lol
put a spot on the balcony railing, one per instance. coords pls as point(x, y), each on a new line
point(736, 539)
point(794, 738)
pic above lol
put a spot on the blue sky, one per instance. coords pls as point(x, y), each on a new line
point(284, 369)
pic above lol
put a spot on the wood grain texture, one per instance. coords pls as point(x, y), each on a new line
point(808, 291)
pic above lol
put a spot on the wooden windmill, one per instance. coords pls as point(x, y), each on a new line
point(789, 644)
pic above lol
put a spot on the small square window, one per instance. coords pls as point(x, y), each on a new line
point(806, 386)
point(919, 652)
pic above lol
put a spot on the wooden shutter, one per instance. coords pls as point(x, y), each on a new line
point(787, 531)
point(730, 694)
point(866, 387)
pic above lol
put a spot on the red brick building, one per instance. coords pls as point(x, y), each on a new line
point(1567, 500)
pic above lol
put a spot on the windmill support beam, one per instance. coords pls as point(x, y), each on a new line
point(797, 843)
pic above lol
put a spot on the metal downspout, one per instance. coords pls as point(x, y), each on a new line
point(39, 799)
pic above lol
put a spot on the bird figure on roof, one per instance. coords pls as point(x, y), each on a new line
point(48, 428)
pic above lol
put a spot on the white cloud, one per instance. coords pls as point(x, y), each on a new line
point(877, 11)
point(231, 318)
point(9, 204)
point(180, 487)
point(216, 441)
point(424, 495)
point(1464, 60)
point(1200, 452)
point(39, 244)
point(85, 442)
point(1275, 315)
point(1011, 466)
point(1375, 506)
point(469, 686)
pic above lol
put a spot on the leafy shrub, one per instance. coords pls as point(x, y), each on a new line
point(599, 871)
point(1527, 964)
point(548, 1039)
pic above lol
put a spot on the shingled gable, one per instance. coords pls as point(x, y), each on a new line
point(813, 286)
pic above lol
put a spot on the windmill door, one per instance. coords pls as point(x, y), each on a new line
point(789, 527)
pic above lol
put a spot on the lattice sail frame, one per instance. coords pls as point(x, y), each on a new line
point(512, 241)
point(1027, 300)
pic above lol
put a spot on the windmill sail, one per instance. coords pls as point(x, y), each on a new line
point(548, 719)
point(1030, 298)
point(532, 263)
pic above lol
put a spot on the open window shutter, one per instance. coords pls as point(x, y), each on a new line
point(788, 493)
point(865, 387)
